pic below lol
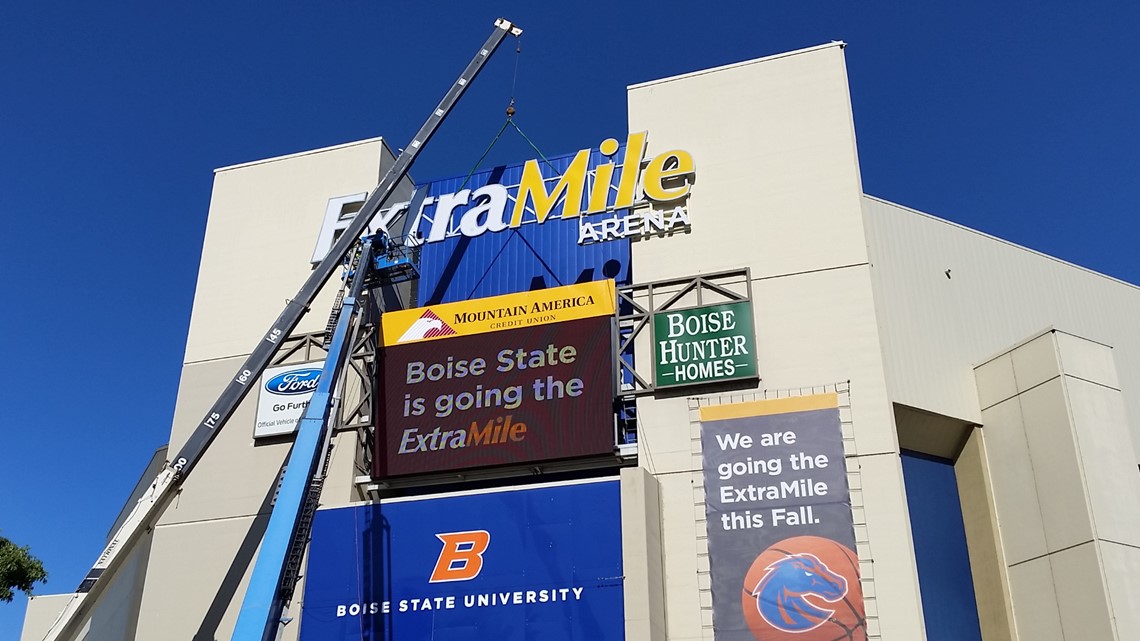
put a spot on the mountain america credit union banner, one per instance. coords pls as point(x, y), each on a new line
point(780, 530)
point(510, 565)
point(508, 379)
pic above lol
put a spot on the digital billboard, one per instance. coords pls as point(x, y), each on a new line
point(781, 538)
point(533, 563)
point(519, 378)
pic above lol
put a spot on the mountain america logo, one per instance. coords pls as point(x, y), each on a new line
point(781, 594)
point(428, 325)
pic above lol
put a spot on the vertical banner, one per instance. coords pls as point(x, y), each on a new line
point(780, 531)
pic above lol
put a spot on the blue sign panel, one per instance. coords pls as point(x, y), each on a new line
point(516, 259)
point(541, 563)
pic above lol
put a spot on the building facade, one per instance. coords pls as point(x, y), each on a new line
point(981, 397)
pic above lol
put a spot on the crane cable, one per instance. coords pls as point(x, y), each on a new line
point(510, 122)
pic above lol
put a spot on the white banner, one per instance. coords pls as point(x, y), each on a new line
point(283, 394)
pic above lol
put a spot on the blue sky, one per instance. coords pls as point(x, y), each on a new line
point(1015, 118)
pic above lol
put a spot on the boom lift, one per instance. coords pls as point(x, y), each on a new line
point(288, 527)
point(282, 546)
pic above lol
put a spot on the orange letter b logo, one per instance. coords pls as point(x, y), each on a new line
point(461, 558)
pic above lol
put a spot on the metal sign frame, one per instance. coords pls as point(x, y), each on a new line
point(637, 304)
point(306, 348)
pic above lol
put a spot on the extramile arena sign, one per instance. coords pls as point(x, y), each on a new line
point(627, 199)
point(611, 192)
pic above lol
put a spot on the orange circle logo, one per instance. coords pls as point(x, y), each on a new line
point(805, 588)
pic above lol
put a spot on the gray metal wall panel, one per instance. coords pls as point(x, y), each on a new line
point(936, 327)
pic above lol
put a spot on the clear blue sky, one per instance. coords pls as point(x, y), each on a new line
point(1015, 118)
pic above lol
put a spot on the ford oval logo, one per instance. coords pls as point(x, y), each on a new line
point(298, 381)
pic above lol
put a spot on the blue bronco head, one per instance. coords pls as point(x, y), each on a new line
point(780, 594)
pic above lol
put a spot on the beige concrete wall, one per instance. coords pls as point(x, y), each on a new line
point(206, 541)
point(777, 189)
point(113, 617)
point(41, 614)
point(644, 591)
point(232, 478)
point(1065, 489)
point(980, 522)
point(949, 298)
point(263, 225)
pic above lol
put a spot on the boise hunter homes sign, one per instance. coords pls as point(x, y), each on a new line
point(709, 344)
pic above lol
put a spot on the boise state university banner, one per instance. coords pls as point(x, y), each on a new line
point(780, 532)
point(507, 565)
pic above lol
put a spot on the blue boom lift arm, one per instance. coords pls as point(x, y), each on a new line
point(260, 615)
point(154, 501)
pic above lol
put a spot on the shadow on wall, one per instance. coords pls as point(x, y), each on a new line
point(208, 630)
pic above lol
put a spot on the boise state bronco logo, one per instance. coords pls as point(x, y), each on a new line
point(781, 596)
point(805, 588)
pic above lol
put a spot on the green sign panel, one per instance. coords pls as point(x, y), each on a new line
point(704, 345)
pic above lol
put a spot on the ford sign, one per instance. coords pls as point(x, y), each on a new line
point(298, 381)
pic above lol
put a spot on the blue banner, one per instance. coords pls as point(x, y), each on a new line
point(531, 256)
point(539, 563)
